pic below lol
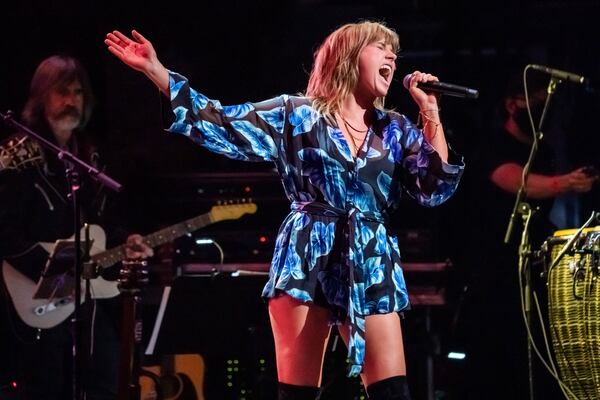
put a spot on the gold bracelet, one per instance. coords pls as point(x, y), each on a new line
point(422, 116)
point(429, 120)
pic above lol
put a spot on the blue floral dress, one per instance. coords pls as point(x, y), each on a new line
point(333, 244)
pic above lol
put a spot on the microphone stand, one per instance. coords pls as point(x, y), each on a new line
point(524, 272)
point(523, 208)
point(75, 167)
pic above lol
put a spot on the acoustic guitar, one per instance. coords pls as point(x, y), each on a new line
point(178, 377)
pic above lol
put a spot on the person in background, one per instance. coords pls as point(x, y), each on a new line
point(35, 208)
point(497, 354)
point(511, 145)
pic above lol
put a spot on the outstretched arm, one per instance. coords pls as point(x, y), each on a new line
point(139, 54)
point(250, 131)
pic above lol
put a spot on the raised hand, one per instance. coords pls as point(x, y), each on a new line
point(424, 100)
point(139, 54)
point(429, 112)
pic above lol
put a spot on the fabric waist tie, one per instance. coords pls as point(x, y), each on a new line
point(352, 245)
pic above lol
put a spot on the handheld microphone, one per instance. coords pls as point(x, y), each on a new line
point(563, 75)
point(443, 88)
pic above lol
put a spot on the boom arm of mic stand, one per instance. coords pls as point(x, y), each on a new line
point(79, 164)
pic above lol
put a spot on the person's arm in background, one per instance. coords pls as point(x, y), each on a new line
point(508, 177)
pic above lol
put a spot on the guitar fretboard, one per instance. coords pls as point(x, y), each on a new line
point(114, 255)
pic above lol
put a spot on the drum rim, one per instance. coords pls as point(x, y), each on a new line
point(571, 232)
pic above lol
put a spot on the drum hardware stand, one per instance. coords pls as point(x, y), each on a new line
point(595, 258)
point(523, 208)
point(133, 275)
point(75, 168)
point(567, 247)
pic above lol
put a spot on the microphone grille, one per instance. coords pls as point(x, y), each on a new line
point(406, 81)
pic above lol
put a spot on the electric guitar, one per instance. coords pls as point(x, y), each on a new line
point(48, 312)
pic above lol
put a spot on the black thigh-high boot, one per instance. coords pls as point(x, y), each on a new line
point(295, 392)
point(394, 388)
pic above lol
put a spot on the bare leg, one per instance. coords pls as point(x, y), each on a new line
point(384, 352)
point(301, 331)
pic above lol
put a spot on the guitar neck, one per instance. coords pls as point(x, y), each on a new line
point(175, 231)
point(116, 254)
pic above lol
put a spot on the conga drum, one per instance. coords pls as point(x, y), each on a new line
point(574, 311)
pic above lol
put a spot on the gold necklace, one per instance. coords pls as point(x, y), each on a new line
point(352, 137)
point(348, 125)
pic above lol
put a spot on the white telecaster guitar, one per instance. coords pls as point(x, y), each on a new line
point(47, 313)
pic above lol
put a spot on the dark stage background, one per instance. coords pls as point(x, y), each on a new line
point(248, 51)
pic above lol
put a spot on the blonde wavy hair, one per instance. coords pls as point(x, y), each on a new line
point(335, 71)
